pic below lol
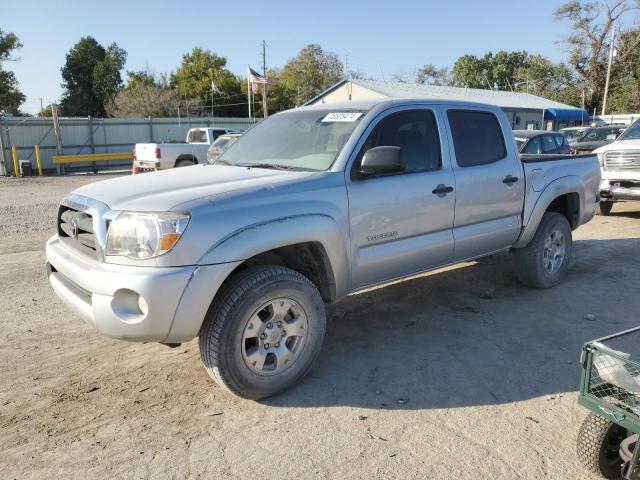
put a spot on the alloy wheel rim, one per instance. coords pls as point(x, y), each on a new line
point(274, 336)
point(554, 251)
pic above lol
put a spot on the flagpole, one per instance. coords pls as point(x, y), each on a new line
point(249, 90)
point(264, 74)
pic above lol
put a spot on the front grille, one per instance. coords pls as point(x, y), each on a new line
point(75, 228)
point(622, 160)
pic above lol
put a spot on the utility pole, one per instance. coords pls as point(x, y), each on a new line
point(264, 74)
point(58, 134)
point(41, 107)
point(606, 85)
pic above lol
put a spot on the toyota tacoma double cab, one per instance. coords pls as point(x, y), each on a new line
point(307, 207)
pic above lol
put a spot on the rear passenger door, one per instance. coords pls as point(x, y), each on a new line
point(489, 183)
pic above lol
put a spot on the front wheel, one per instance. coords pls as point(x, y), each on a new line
point(598, 446)
point(263, 331)
point(544, 262)
point(604, 208)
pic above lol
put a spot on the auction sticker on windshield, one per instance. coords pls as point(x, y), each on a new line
point(342, 117)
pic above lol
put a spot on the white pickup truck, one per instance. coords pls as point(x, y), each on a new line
point(161, 156)
point(620, 164)
point(309, 206)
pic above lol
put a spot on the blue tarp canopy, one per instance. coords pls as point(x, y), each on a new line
point(566, 114)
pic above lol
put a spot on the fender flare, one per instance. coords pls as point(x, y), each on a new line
point(257, 238)
point(560, 186)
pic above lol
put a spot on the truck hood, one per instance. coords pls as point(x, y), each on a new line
point(620, 145)
point(168, 189)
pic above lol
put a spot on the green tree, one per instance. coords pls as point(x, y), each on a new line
point(149, 95)
point(429, 74)
point(310, 72)
point(624, 91)
point(591, 24)
point(91, 77)
point(46, 112)
point(195, 76)
point(489, 71)
point(556, 81)
point(10, 96)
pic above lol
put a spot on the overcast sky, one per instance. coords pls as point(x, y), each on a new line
point(381, 38)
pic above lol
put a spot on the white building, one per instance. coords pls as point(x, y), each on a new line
point(523, 109)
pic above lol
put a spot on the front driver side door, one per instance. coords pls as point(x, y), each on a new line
point(402, 223)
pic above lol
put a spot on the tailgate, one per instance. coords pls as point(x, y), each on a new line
point(146, 152)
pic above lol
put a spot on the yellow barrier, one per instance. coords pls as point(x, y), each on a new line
point(92, 157)
point(38, 160)
point(16, 166)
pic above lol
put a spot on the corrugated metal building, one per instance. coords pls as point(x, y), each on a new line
point(523, 109)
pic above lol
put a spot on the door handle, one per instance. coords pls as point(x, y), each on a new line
point(509, 180)
point(442, 189)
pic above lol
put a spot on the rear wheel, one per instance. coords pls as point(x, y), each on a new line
point(598, 446)
point(263, 331)
point(544, 262)
point(604, 208)
point(184, 163)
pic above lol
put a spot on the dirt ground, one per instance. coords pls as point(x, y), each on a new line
point(462, 373)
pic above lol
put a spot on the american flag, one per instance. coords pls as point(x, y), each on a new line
point(256, 79)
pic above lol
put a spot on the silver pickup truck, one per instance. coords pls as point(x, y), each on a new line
point(307, 207)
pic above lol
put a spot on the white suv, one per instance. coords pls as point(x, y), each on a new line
point(620, 163)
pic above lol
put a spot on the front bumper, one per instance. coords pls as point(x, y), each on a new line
point(613, 190)
point(160, 304)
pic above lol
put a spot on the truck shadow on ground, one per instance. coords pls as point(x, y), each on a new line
point(471, 335)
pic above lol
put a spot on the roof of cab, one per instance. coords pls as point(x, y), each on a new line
point(388, 102)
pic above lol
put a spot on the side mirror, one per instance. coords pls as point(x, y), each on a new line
point(612, 136)
point(382, 161)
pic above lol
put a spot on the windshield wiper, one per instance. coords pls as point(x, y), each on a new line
point(267, 165)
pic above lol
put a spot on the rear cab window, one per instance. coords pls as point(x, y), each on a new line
point(477, 137)
point(197, 136)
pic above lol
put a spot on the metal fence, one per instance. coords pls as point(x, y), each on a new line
point(94, 135)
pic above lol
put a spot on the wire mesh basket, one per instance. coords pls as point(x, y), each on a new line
point(610, 383)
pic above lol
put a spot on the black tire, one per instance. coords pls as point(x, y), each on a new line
point(530, 260)
point(221, 337)
point(598, 446)
point(604, 208)
point(184, 163)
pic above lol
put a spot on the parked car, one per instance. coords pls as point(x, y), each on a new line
point(220, 145)
point(620, 162)
point(596, 138)
point(161, 156)
point(310, 205)
point(573, 134)
point(539, 142)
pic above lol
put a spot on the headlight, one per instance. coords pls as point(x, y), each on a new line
point(145, 235)
point(601, 158)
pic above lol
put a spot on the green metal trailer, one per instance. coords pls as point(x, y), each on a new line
point(610, 388)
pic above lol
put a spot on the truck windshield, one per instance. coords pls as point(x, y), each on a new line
point(631, 133)
point(296, 140)
point(573, 135)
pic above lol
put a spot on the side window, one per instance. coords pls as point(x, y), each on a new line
point(477, 137)
point(559, 140)
point(534, 146)
point(415, 132)
point(548, 144)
